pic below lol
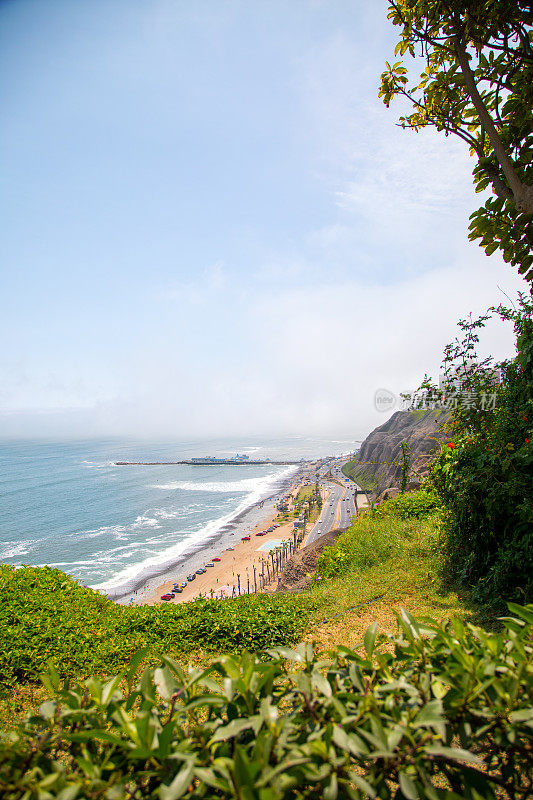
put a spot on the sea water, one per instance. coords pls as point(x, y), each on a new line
point(68, 505)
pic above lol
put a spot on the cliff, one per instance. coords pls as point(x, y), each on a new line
point(377, 466)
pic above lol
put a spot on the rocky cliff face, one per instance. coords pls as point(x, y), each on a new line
point(377, 465)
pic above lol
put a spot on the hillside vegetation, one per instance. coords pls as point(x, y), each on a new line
point(484, 473)
point(46, 616)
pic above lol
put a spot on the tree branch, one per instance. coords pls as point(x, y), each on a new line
point(522, 194)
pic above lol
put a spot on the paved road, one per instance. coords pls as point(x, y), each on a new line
point(339, 509)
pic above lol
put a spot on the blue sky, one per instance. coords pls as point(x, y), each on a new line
point(211, 224)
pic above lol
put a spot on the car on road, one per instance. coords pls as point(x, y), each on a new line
point(168, 596)
point(191, 577)
point(201, 571)
point(216, 559)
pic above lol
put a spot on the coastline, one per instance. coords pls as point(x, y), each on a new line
point(240, 563)
point(148, 588)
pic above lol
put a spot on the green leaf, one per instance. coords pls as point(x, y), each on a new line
point(363, 784)
point(179, 785)
point(164, 682)
point(523, 715)
point(408, 786)
point(234, 728)
point(522, 612)
point(429, 714)
point(135, 662)
point(370, 638)
point(453, 753)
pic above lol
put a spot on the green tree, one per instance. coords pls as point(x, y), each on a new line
point(477, 83)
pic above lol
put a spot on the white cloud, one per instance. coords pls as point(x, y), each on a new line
point(313, 357)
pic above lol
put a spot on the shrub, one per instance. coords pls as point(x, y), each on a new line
point(484, 474)
point(439, 712)
point(416, 505)
point(45, 614)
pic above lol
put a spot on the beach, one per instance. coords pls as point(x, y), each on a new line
point(237, 558)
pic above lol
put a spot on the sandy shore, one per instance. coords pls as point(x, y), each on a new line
point(148, 588)
point(237, 561)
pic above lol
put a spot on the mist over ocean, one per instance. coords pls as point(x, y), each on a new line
point(66, 504)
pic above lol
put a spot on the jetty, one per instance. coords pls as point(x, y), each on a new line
point(198, 462)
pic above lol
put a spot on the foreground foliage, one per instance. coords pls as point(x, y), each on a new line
point(440, 712)
point(45, 614)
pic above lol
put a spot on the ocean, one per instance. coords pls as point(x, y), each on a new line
point(66, 504)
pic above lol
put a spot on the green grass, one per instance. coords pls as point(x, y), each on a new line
point(392, 554)
point(365, 476)
point(304, 493)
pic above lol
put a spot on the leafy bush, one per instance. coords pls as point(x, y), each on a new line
point(415, 505)
point(437, 713)
point(45, 614)
point(484, 473)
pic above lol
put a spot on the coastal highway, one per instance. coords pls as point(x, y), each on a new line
point(339, 509)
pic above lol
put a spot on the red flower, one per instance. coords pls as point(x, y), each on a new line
point(521, 368)
point(527, 441)
point(524, 419)
point(451, 445)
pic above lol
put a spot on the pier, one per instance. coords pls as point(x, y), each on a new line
point(201, 463)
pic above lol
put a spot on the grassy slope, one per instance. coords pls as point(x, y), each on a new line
point(404, 567)
point(83, 633)
point(363, 476)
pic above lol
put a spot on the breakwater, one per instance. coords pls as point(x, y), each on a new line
point(217, 463)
